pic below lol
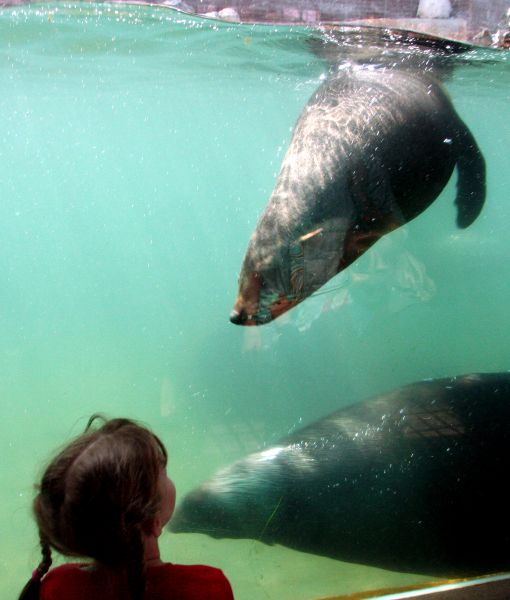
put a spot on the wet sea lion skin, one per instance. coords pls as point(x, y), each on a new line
point(373, 148)
point(411, 480)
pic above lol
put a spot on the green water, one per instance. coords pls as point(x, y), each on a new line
point(138, 148)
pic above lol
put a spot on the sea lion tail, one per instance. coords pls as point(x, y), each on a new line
point(471, 178)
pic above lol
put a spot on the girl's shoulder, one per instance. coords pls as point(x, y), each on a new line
point(67, 570)
point(187, 582)
point(190, 581)
point(64, 580)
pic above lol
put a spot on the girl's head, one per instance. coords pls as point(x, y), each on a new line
point(104, 494)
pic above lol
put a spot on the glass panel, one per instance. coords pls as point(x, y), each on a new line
point(139, 147)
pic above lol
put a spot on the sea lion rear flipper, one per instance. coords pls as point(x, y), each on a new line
point(471, 178)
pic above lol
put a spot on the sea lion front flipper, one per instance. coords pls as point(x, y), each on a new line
point(359, 237)
point(471, 177)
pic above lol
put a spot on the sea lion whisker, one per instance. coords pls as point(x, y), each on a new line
point(271, 517)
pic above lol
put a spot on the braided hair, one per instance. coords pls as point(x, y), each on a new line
point(31, 589)
point(95, 500)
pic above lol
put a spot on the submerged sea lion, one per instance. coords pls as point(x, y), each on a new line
point(372, 149)
point(412, 480)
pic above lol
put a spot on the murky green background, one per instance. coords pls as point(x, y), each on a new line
point(138, 148)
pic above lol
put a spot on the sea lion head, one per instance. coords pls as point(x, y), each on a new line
point(264, 294)
point(240, 500)
point(278, 274)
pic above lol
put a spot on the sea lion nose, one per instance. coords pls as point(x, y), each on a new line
point(237, 317)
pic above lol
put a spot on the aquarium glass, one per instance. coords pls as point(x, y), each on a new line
point(138, 148)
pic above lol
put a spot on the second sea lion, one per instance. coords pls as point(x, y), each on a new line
point(409, 480)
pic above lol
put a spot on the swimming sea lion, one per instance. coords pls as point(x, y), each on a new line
point(411, 480)
point(372, 149)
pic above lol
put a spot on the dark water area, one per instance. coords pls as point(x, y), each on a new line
point(138, 149)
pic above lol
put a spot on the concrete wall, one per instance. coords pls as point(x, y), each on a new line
point(487, 13)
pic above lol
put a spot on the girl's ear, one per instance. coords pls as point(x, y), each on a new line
point(153, 527)
point(157, 525)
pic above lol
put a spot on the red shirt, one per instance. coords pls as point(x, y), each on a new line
point(164, 582)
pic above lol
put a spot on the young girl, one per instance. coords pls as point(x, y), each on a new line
point(106, 497)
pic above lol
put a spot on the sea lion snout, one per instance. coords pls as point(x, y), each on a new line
point(247, 303)
point(238, 317)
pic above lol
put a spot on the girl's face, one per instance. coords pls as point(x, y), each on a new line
point(167, 494)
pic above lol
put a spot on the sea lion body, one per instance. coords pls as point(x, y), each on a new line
point(372, 149)
point(413, 480)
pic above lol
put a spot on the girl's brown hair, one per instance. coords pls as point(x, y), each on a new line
point(95, 499)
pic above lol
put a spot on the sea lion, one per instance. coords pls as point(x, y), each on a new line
point(412, 480)
point(372, 149)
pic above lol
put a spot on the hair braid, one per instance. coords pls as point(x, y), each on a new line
point(31, 589)
point(47, 559)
